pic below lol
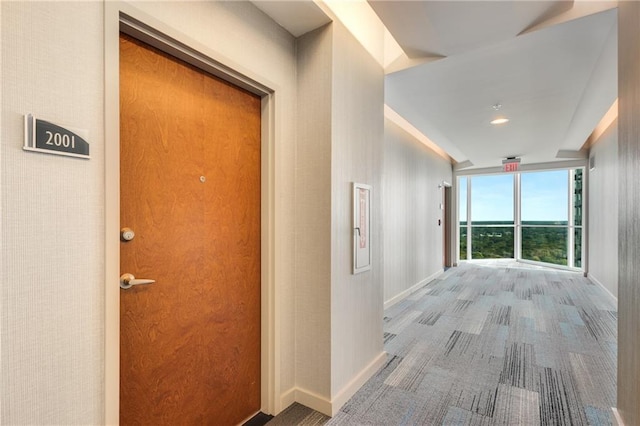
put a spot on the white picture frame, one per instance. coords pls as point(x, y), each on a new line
point(361, 227)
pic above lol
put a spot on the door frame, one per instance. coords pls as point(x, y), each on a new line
point(120, 16)
point(446, 219)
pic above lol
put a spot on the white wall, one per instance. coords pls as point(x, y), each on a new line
point(313, 214)
point(628, 403)
point(52, 217)
point(603, 211)
point(2, 246)
point(356, 156)
point(412, 173)
point(338, 314)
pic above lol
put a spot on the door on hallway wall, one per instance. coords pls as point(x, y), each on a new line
point(190, 192)
point(446, 226)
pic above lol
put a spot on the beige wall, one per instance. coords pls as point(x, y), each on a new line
point(356, 156)
point(313, 214)
point(52, 217)
point(339, 315)
point(412, 174)
point(629, 205)
point(603, 211)
point(2, 246)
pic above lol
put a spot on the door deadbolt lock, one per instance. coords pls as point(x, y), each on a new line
point(127, 234)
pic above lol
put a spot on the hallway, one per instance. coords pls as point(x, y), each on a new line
point(492, 343)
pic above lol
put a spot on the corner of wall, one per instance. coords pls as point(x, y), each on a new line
point(312, 222)
point(330, 407)
point(356, 383)
point(356, 156)
point(628, 403)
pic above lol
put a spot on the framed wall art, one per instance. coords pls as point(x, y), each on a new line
point(361, 227)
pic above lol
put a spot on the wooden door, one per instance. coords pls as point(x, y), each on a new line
point(190, 191)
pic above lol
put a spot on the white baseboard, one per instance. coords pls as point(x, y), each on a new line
point(287, 398)
point(617, 416)
point(401, 296)
point(314, 401)
point(595, 281)
point(356, 383)
point(331, 407)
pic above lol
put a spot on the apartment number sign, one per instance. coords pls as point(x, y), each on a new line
point(49, 138)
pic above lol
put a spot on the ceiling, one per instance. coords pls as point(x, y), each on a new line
point(550, 65)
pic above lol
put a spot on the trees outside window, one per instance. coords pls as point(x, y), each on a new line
point(533, 216)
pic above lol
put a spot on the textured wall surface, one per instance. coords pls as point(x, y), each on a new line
point(2, 246)
point(629, 218)
point(412, 237)
point(357, 133)
point(313, 213)
point(339, 315)
point(52, 281)
point(603, 211)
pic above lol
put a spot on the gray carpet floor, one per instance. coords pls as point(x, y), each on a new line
point(495, 343)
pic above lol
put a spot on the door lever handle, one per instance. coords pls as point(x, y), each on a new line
point(128, 280)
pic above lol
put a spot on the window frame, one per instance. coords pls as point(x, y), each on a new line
point(571, 225)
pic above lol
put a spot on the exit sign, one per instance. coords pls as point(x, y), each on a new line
point(510, 167)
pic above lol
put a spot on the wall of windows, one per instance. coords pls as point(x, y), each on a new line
point(534, 216)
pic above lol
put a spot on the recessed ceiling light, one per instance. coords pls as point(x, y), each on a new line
point(500, 120)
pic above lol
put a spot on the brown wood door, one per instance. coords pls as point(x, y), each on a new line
point(190, 190)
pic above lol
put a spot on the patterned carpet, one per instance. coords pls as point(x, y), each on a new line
point(494, 343)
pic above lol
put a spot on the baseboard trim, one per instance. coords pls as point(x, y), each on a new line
point(617, 416)
point(313, 401)
point(331, 407)
point(403, 295)
point(287, 398)
point(597, 282)
point(356, 383)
